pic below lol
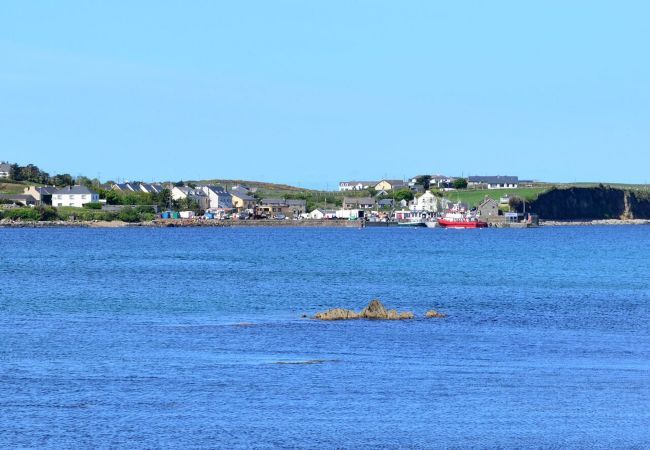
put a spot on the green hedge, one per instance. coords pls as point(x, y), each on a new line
point(138, 214)
point(41, 213)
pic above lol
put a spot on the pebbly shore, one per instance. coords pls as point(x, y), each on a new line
point(184, 223)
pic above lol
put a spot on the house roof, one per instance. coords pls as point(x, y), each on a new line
point(494, 179)
point(364, 183)
point(46, 190)
point(215, 188)
point(273, 201)
point(385, 201)
point(75, 190)
point(189, 191)
point(359, 200)
point(152, 188)
point(297, 202)
point(487, 200)
point(5, 167)
point(18, 197)
point(126, 186)
point(242, 195)
point(392, 182)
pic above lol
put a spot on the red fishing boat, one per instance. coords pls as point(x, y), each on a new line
point(459, 218)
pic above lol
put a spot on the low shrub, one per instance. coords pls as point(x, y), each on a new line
point(129, 215)
point(40, 213)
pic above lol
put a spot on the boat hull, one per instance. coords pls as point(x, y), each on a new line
point(411, 224)
point(463, 224)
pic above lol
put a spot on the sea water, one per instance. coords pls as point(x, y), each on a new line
point(195, 338)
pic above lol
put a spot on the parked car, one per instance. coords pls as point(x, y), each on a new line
point(279, 217)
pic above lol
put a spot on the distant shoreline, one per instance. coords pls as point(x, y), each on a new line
point(181, 223)
point(185, 223)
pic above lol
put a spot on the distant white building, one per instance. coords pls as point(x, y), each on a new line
point(356, 185)
point(434, 181)
point(493, 182)
point(5, 170)
point(75, 196)
point(319, 214)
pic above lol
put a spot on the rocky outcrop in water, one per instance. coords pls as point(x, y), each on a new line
point(374, 311)
point(337, 314)
point(433, 314)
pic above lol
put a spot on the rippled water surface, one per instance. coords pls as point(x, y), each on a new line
point(193, 338)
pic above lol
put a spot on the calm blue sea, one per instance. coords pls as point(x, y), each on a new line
point(171, 338)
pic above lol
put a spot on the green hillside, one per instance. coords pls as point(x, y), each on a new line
point(474, 196)
point(15, 187)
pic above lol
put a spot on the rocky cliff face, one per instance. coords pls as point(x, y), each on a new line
point(595, 203)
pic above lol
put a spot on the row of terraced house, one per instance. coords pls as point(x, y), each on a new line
point(215, 198)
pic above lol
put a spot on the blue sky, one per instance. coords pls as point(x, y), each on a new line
point(313, 92)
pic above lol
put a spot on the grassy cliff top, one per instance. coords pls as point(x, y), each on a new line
point(15, 187)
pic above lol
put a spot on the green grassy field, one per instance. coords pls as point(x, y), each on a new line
point(473, 197)
point(14, 187)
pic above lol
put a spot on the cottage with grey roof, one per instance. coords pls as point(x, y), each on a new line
point(242, 200)
point(75, 196)
point(494, 182)
point(42, 194)
point(358, 202)
point(488, 208)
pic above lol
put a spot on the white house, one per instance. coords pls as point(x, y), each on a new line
point(355, 185)
point(5, 170)
point(426, 202)
point(218, 197)
point(493, 182)
point(183, 192)
point(76, 196)
point(319, 214)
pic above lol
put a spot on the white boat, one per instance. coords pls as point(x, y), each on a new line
point(412, 223)
point(410, 219)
